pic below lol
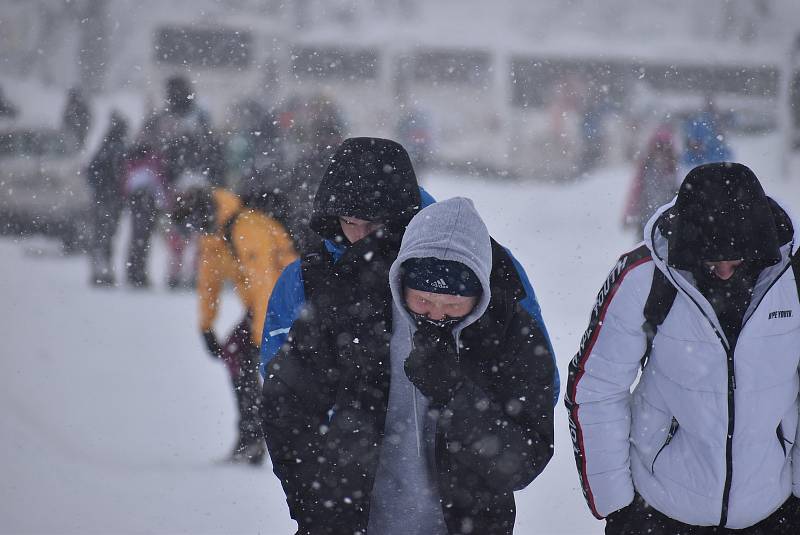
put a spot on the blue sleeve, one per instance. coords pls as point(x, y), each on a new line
point(288, 297)
point(532, 306)
point(427, 198)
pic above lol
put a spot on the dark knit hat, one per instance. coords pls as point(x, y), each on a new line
point(370, 179)
point(722, 213)
point(441, 277)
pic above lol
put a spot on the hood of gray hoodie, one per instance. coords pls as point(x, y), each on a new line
point(447, 230)
point(405, 497)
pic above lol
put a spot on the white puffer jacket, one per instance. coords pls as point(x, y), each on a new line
point(699, 437)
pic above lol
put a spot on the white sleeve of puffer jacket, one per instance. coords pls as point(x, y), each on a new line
point(598, 391)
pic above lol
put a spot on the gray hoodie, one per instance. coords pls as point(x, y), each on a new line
point(405, 497)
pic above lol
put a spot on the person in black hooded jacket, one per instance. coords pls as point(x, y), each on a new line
point(105, 175)
point(707, 310)
point(366, 197)
point(326, 391)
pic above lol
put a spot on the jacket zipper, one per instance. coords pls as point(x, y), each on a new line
point(731, 387)
point(673, 428)
point(726, 490)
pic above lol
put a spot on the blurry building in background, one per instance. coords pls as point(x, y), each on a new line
point(546, 89)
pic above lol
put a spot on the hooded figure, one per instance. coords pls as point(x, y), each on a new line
point(182, 137)
point(105, 175)
point(376, 427)
point(369, 179)
point(704, 443)
point(248, 248)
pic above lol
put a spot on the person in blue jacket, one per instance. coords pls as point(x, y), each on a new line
point(289, 294)
point(704, 141)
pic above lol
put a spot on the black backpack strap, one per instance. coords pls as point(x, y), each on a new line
point(227, 233)
point(658, 304)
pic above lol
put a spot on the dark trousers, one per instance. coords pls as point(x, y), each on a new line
point(106, 211)
point(143, 217)
point(241, 357)
point(640, 519)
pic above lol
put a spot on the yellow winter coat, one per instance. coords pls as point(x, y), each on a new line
point(258, 250)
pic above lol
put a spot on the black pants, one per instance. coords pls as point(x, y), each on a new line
point(106, 211)
point(241, 357)
point(143, 216)
point(640, 519)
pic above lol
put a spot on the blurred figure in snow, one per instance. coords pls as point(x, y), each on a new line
point(254, 147)
point(704, 141)
point(77, 118)
point(145, 189)
point(248, 248)
point(414, 131)
point(655, 181)
point(191, 156)
point(319, 129)
point(7, 109)
point(105, 175)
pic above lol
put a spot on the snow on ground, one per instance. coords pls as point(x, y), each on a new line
point(112, 415)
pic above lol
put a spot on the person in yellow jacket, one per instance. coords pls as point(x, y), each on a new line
point(250, 249)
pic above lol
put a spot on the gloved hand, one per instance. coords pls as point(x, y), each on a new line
point(432, 366)
point(212, 344)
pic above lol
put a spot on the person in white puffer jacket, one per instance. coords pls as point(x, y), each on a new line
point(704, 442)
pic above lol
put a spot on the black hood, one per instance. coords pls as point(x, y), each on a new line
point(370, 179)
point(722, 213)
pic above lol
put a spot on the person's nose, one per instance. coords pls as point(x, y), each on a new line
point(436, 314)
point(725, 270)
point(361, 232)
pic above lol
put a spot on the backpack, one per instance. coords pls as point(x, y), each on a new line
point(662, 296)
point(271, 205)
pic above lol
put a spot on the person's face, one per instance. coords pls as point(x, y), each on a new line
point(355, 229)
point(724, 269)
point(438, 307)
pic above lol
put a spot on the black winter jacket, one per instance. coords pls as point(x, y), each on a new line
point(326, 393)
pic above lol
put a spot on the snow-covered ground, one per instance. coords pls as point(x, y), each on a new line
point(112, 415)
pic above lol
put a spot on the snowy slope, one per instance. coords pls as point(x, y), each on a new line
point(111, 415)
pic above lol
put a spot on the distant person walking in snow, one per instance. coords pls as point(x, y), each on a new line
point(106, 175)
point(145, 190)
point(7, 109)
point(359, 360)
point(76, 118)
point(704, 141)
point(250, 249)
point(655, 182)
point(358, 215)
point(708, 309)
point(191, 156)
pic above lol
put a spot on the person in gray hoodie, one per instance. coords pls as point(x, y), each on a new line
point(434, 435)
